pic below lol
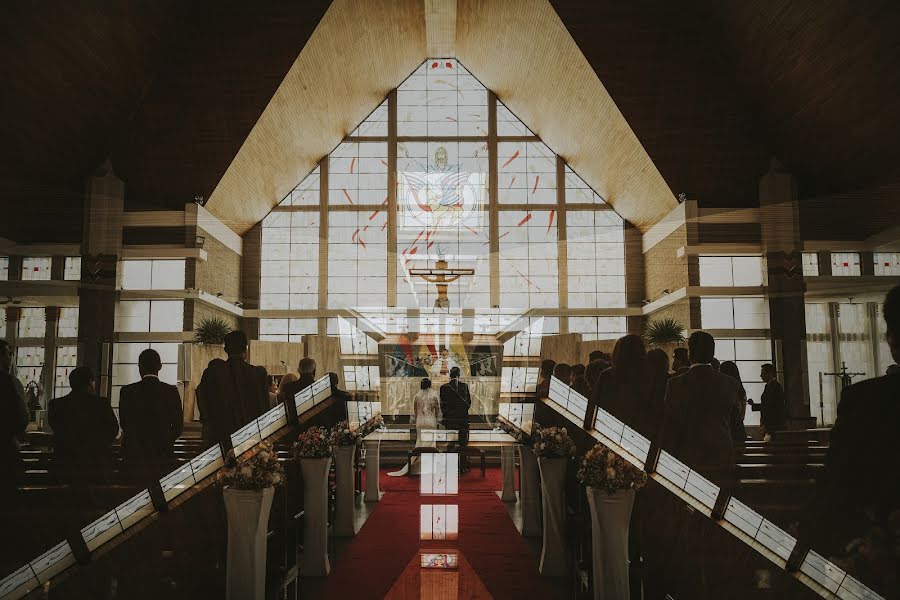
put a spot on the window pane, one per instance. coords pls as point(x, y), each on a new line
point(845, 263)
point(72, 270)
point(36, 268)
point(68, 322)
point(33, 323)
point(810, 264)
point(887, 263)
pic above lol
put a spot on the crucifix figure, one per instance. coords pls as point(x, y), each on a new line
point(441, 276)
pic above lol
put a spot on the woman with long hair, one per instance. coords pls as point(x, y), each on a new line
point(621, 388)
point(730, 368)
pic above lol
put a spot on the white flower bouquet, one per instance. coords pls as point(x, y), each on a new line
point(553, 442)
point(601, 468)
point(260, 471)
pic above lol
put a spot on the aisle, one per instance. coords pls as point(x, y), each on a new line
point(488, 542)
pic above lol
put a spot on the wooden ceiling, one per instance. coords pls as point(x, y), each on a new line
point(712, 89)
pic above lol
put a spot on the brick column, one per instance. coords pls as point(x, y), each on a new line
point(780, 226)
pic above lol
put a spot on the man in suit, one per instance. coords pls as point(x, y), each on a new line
point(84, 427)
point(703, 418)
point(307, 370)
point(455, 404)
point(231, 392)
point(151, 417)
point(860, 487)
point(13, 421)
point(771, 407)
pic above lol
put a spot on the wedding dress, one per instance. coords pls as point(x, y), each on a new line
point(426, 415)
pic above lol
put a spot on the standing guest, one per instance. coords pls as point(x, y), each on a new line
point(577, 371)
point(543, 386)
point(84, 427)
point(860, 489)
point(579, 381)
point(621, 389)
point(702, 412)
point(771, 407)
point(657, 377)
point(730, 368)
point(592, 372)
point(455, 404)
point(151, 417)
point(307, 369)
point(563, 372)
point(595, 355)
point(14, 421)
point(231, 392)
point(681, 361)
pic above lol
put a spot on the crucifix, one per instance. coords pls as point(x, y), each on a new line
point(846, 378)
point(441, 275)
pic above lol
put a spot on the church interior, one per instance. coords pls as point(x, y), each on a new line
point(450, 299)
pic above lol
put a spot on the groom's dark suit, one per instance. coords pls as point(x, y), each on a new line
point(455, 403)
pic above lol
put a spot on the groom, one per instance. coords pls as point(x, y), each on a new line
point(455, 403)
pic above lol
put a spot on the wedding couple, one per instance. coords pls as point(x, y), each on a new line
point(450, 408)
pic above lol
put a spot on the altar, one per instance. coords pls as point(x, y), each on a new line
point(404, 362)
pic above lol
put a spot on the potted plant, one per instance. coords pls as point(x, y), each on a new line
point(665, 333)
point(211, 331)
point(345, 441)
point(249, 485)
point(611, 483)
point(313, 450)
point(554, 449)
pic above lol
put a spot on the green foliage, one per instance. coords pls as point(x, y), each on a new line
point(664, 331)
point(211, 330)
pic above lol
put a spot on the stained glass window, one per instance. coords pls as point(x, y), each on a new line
point(290, 261)
point(36, 268)
point(810, 264)
point(67, 326)
point(66, 360)
point(845, 263)
point(526, 173)
point(357, 258)
point(441, 99)
point(29, 364)
point(4, 268)
point(528, 259)
point(72, 268)
point(596, 259)
point(33, 322)
point(444, 211)
point(357, 174)
point(887, 263)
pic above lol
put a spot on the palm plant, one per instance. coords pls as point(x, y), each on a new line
point(211, 330)
point(666, 330)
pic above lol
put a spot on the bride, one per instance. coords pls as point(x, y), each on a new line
point(426, 415)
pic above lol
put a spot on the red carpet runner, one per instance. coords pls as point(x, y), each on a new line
point(389, 540)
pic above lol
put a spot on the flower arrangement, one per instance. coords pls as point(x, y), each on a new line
point(601, 468)
point(260, 471)
point(342, 435)
point(553, 442)
point(315, 442)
